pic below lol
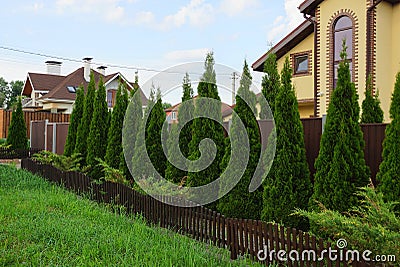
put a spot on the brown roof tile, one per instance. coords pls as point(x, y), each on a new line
point(309, 6)
point(76, 78)
point(288, 42)
point(57, 85)
point(225, 108)
point(145, 101)
point(42, 82)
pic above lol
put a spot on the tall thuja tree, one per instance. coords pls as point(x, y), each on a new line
point(371, 109)
point(17, 130)
point(97, 140)
point(84, 125)
point(182, 133)
point(114, 143)
point(132, 120)
point(288, 184)
point(75, 120)
point(239, 202)
point(340, 166)
point(207, 128)
point(140, 165)
point(154, 144)
point(389, 170)
point(270, 84)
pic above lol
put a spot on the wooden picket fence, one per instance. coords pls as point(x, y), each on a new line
point(242, 237)
point(9, 153)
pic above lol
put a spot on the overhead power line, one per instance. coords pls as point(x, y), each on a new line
point(135, 68)
point(95, 63)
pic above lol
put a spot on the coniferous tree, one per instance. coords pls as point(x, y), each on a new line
point(153, 139)
point(132, 121)
point(371, 109)
point(84, 125)
point(239, 202)
point(389, 170)
point(17, 130)
point(97, 140)
point(114, 143)
point(141, 164)
point(288, 184)
point(270, 84)
point(182, 133)
point(75, 120)
point(207, 128)
point(340, 166)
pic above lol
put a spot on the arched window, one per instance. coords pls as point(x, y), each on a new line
point(343, 30)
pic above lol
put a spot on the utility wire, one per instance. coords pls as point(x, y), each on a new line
point(238, 75)
point(99, 64)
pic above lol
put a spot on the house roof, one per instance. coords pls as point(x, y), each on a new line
point(225, 108)
point(297, 35)
point(56, 85)
point(145, 100)
point(40, 82)
point(308, 6)
point(76, 78)
point(286, 44)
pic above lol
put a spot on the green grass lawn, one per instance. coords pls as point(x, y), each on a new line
point(43, 224)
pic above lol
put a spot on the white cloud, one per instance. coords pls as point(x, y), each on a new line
point(115, 14)
point(38, 6)
point(109, 10)
point(144, 17)
point(236, 7)
point(186, 55)
point(292, 19)
point(197, 13)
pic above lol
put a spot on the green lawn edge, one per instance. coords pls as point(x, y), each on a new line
point(42, 224)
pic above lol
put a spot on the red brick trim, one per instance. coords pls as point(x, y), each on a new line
point(330, 51)
point(371, 44)
point(318, 59)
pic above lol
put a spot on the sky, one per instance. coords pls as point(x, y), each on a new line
point(140, 35)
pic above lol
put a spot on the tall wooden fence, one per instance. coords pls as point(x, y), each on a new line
point(50, 136)
point(242, 237)
point(374, 135)
point(5, 119)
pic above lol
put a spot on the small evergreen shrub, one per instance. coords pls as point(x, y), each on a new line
point(16, 138)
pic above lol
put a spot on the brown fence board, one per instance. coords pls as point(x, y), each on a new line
point(312, 128)
point(29, 116)
point(240, 236)
point(374, 135)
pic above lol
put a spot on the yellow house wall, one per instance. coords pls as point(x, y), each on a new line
point(306, 111)
point(395, 44)
point(258, 108)
point(387, 52)
point(384, 53)
point(304, 85)
point(327, 10)
point(67, 107)
point(395, 40)
point(227, 118)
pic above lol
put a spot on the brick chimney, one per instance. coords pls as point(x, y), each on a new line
point(53, 67)
point(86, 68)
